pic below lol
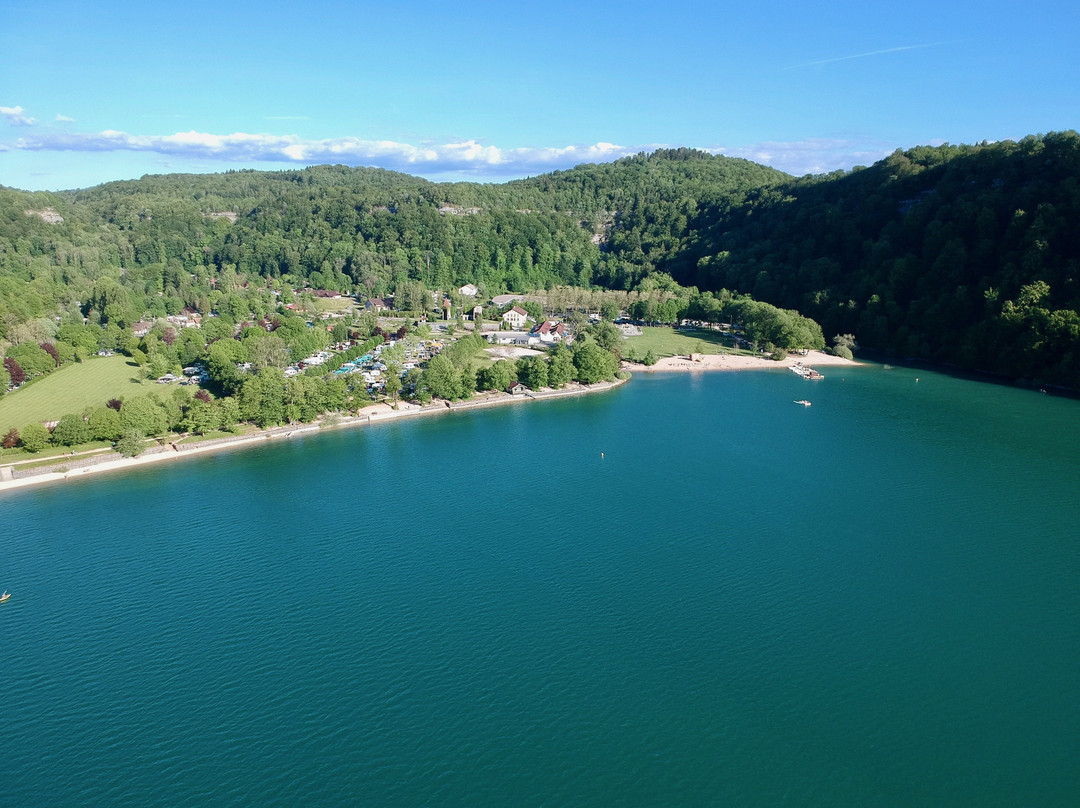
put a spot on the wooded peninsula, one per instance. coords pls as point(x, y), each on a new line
point(957, 255)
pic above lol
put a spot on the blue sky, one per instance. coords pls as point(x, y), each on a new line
point(92, 92)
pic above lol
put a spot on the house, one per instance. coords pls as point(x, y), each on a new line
point(142, 328)
point(188, 319)
point(469, 290)
point(516, 317)
point(502, 300)
point(517, 388)
point(376, 304)
point(550, 332)
point(477, 313)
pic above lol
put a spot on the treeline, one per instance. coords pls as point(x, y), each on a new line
point(267, 397)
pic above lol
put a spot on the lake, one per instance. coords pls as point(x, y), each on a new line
point(688, 590)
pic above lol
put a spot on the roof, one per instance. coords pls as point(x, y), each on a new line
point(550, 327)
point(519, 310)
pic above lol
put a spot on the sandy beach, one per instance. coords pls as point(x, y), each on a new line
point(731, 362)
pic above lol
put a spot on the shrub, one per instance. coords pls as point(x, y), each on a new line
point(11, 439)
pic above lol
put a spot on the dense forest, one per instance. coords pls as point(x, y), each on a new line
point(966, 255)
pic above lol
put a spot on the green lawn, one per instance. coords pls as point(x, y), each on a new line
point(333, 304)
point(665, 341)
point(71, 389)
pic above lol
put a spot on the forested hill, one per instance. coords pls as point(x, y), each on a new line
point(956, 254)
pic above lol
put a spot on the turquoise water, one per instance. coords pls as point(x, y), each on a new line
point(871, 601)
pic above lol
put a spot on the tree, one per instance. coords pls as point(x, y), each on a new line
point(650, 358)
point(50, 349)
point(269, 350)
point(201, 417)
point(303, 398)
point(607, 336)
point(534, 309)
point(33, 360)
point(560, 366)
point(144, 415)
point(11, 439)
point(499, 375)
point(609, 309)
point(71, 431)
point(15, 371)
point(105, 423)
point(34, 437)
point(229, 409)
point(843, 343)
point(262, 398)
point(131, 443)
point(442, 378)
point(533, 372)
point(412, 386)
point(392, 382)
point(593, 363)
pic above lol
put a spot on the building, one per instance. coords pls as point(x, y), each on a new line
point(551, 332)
point(516, 317)
point(502, 300)
point(469, 290)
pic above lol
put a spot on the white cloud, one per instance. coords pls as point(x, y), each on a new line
point(64, 118)
point(468, 158)
point(15, 116)
point(811, 156)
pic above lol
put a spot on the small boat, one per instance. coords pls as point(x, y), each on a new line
point(5, 596)
point(803, 401)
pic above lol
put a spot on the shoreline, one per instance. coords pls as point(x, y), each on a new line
point(104, 461)
point(96, 463)
point(738, 362)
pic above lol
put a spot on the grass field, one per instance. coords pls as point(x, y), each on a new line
point(334, 304)
point(71, 389)
point(668, 342)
